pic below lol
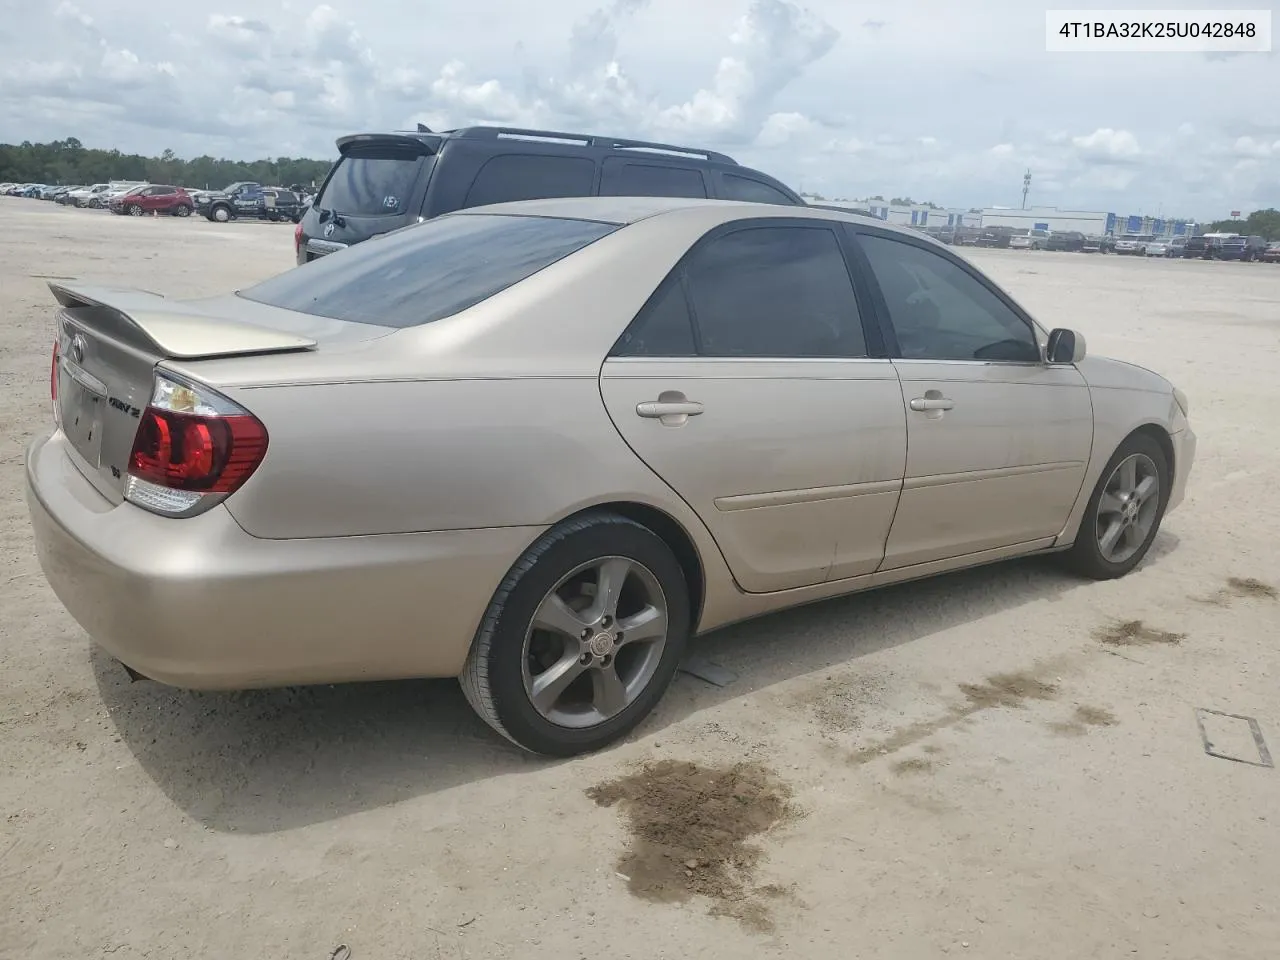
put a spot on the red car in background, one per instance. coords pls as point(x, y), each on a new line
point(153, 197)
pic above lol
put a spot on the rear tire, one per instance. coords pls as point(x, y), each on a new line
point(561, 578)
point(182, 210)
point(1139, 517)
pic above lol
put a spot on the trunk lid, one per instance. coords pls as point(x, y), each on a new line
point(109, 341)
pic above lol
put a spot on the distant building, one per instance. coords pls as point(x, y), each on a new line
point(916, 215)
point(1087, 222)
point(1090, 222)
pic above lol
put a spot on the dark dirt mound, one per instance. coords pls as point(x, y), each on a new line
point(689, 829)
point(1007, 690)
point(1134, 633)
point(1249, 587)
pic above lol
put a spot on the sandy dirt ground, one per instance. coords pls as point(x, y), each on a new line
point(1001, 763)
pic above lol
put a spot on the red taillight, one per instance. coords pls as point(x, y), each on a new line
point(199, 454)
point(297, 236)
point(193, 448)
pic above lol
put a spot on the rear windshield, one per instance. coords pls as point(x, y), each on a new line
point(427, 271)
point(373, 184)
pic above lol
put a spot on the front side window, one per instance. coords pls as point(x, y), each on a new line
point(941, 312)
point(427, 271)
point(780, 291)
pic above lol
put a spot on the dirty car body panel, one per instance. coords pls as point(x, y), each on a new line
point(418, 428)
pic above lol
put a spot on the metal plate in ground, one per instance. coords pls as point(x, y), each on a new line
point(713, 673)
point(1230, 736)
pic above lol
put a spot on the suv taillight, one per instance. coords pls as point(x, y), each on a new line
point(297, 237)
point(193, 449)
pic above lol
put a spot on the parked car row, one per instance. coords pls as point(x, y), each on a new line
point(1209, 246)
point(133, 198)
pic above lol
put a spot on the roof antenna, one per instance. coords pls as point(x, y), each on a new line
point(423, 128)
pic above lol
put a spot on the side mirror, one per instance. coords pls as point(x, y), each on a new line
point(1065, 346)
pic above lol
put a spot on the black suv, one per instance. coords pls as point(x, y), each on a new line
point(1241, 248)
point(1197, 248)
point(384, 181)
point(1065, 240)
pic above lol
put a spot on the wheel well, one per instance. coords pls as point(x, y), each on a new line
point(1160, 436)
point(675, 537)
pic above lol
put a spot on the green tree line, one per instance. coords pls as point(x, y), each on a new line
point(70, 162)
point(1260, 223)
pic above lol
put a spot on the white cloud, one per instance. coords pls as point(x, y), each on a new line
point(799, 92)
point(1107, 144)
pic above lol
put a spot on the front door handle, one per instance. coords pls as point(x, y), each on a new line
point(932, 403)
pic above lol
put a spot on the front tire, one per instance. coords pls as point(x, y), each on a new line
point(1125, 511)
point(220, 214)
point(582, 638)
point(182, 210)
point(134, 210)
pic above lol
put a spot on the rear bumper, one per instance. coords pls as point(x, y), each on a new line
point(199, 603)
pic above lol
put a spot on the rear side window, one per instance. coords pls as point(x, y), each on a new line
point(775, 292)
point(373, 184)
point(663, 327)
point(746, 190)
point(427, 271)
point(623, 179)
point(531, 177)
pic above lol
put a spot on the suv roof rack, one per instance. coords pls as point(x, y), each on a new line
point(588, 140)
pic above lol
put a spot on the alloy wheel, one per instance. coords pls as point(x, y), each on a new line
point(1128, 508)
point(595, 642)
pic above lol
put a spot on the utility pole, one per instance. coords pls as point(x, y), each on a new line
point(1026, 187)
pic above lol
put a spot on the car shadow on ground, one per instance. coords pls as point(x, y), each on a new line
point(267, 760)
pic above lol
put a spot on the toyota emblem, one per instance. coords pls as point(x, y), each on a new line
point(328, 229)
point(77, 348)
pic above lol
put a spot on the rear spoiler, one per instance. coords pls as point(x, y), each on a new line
point(418, 144)
point(174, 329)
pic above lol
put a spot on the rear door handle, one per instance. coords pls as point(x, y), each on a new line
point(657, 409)
point(932, 403)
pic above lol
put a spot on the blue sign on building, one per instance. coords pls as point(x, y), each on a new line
point(1135, 224)
point(1041, 226)
point(1111, 223)
point(1179, 228)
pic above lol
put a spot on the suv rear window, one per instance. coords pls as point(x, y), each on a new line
point(427, 271)
point(373, 184)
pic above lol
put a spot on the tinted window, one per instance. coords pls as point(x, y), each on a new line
point(775, 292)
point(663, 327)
point(940, 312)
point(651, 180)
point(426, 271)
point(372, 185)
point(751, 191)
point(531, 177)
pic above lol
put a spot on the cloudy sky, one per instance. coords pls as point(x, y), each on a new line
point(936, 99)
